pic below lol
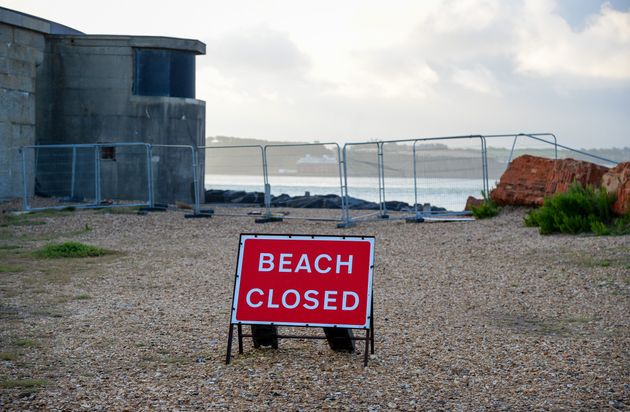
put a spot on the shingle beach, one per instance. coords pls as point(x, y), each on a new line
point(484, 315)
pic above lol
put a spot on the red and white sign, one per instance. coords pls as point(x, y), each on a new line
point(303, 280)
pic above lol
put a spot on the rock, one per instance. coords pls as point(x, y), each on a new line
point(473, 202)
point(397, 206)
point(529, 179)
point(214, 196)
point(524, 181)
point(566, 171)
point(617, 181)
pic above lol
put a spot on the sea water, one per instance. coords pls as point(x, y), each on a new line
point(443, 192)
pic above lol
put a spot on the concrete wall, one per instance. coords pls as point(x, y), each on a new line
point(21, 51)
point(86, 84)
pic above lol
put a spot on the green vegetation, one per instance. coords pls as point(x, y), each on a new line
point(82, 296)
point(70, 250)
point(26, 343)
point(487, 209)
point(578, 210)
point(8, 356)
point(22, 383)
point(10, 268)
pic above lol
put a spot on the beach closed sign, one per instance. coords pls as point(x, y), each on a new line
point(304, 280)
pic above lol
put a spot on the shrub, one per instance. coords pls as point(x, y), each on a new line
point(70, 250)
point(485, 210)
point(578, 210)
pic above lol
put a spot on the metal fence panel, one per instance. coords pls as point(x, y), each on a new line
point(363, 181)
point(85, 175)
point(238, 170)
point(175, 176)
point(448, 170)
point(502, 149)
point(310, 174)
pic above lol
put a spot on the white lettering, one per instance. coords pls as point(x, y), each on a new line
point(344, 300)
point(328, 299)
point(348, 263)
point(303, 264)
point(284, 261)
point(290, 292)
point(307, 296)
point(248, 298)
point(317, 267)
point(265, 262)
point(270, 304)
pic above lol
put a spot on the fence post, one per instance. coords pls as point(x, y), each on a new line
point(484, 166)
point(381, 180)
point(344, 190)
point(74, 171)
point(266, 182)
point(24, 182)
point(195, 170)
point(415, 179)
point(150, 186)
point(97, 175)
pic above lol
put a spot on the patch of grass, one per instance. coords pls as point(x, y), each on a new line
point(581, 209)
point(31, 218)
point(7, 220)
point(26, 343)
point(8, 356)
point(10, 268)
point(487, 209)
point(82, 296)
point(70, 250)
point(22, 383)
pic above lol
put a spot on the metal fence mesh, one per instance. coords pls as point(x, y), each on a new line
point(366, 180)
point(309, 173)
point(85, 175)
point(448, 172)
point(238, 169)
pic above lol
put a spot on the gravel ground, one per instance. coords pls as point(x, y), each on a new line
point(484, 315)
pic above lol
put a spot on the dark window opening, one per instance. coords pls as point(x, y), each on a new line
point(108, 153)
point(160, 72)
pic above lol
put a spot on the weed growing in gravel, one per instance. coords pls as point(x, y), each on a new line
point(487, 209)
point(8, 356)
point(10, 268)
point(581, 209)
point(82, 296)
point(22, 383)
point(26, 343)
point(70, 250)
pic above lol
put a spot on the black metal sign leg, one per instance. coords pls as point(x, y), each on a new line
point(367, 347)
point(229, 345)
point(372, 334)
point(240, 338)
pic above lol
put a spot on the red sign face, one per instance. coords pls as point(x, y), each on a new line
point(304, 280)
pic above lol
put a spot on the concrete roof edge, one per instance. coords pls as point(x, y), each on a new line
point(34, 23)
point(156, 42)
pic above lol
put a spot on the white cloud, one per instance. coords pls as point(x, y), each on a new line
point(548, 47)
point(478, 79)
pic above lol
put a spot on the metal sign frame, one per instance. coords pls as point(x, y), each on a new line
point(368, 326)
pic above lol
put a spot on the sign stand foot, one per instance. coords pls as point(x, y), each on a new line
point(229, 344)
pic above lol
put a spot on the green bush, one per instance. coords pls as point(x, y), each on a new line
point(485, 210)
point(578, 210)
point(70, 250)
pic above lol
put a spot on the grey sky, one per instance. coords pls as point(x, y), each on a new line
point(366, 69)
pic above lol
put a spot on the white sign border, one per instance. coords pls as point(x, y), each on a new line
point(237, 281)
